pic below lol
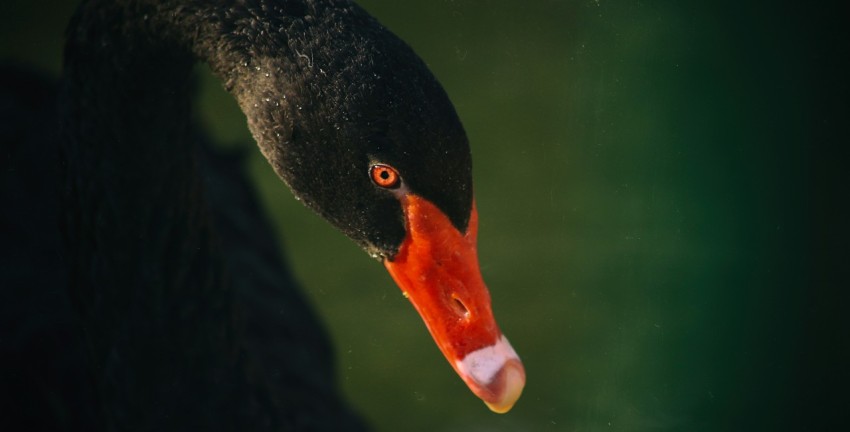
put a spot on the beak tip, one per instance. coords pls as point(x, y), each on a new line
point(495, 374)
point(512, 377)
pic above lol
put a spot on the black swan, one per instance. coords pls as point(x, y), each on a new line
point(349, 118)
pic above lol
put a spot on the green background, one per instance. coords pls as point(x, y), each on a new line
point(644, 174)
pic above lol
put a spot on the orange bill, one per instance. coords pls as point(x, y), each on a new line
point(437, 269)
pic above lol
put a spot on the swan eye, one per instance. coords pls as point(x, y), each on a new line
point(385, 176)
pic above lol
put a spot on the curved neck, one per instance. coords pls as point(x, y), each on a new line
point(132, 60)
point(127, 88)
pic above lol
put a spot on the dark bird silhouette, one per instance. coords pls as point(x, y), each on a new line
point(150, 265)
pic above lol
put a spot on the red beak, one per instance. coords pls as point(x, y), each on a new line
point(437, 269)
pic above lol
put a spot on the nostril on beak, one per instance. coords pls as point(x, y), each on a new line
point(460, 308)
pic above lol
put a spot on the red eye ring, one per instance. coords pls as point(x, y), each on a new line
point(385, 176)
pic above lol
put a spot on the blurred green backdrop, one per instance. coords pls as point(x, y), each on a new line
point(641, 176)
